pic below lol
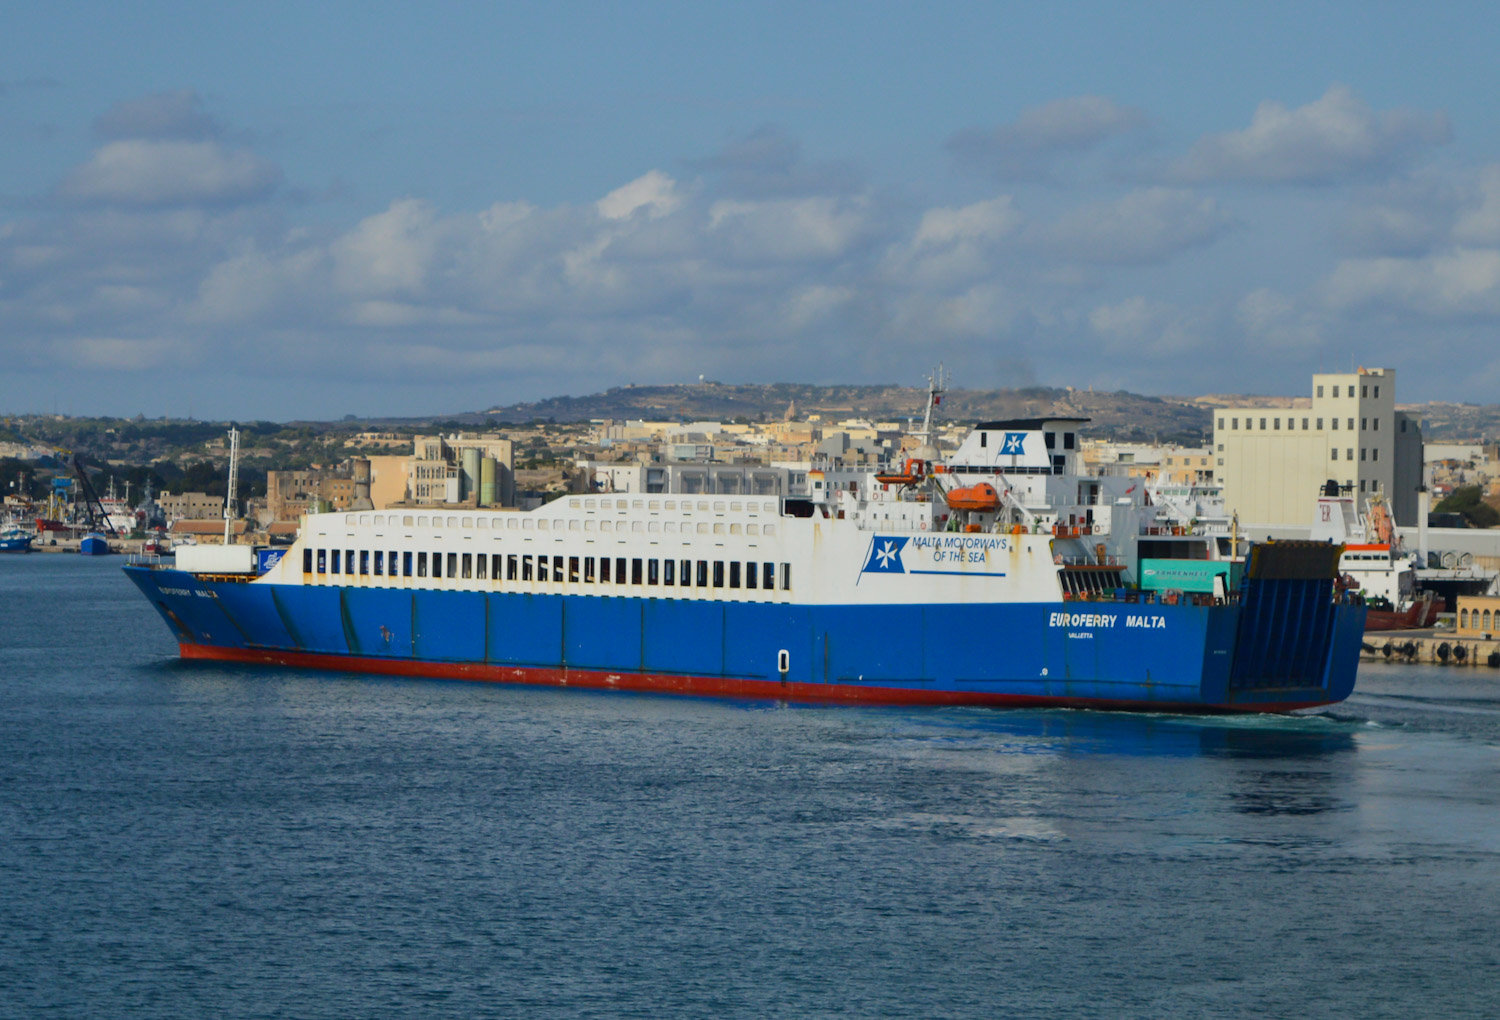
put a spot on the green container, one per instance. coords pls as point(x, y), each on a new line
point(1189, 575)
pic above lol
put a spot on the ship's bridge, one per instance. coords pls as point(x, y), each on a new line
point(1020, 446)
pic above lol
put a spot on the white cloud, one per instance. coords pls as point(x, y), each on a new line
point(745, 271)
point(101, 353)
point(1028, 147)
point(1403, 218)
point(391, 252)
point(777, 230)
point(952, 248)
point(1332, 139)
point(143, 173)
point(654, 192)
point(1142, 227)
point(1270, 319)
point(1142, 328)
point(1456, 284)
point(989, 220)
point(1479, 221)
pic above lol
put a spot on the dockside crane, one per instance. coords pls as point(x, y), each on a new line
point(98, 520)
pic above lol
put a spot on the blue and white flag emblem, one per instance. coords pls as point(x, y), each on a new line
point(885, 556)
point(1013, 441)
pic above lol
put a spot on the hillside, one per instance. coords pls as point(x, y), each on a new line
point(1120, 415)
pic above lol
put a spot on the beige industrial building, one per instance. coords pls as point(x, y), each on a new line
point(193, 505)
point(478, 470)
point(1273, 461)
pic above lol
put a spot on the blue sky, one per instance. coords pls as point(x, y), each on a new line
point(310, 210)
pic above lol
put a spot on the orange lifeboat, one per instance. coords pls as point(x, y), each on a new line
point(979, 497)
point(910, 474)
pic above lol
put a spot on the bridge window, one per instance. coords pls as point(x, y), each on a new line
point(307, 561)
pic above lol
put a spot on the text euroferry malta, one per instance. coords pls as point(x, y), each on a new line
point(1150, 621)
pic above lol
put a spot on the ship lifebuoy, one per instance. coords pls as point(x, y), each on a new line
point(924, 525)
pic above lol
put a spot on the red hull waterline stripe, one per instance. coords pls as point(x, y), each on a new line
point(704, 685)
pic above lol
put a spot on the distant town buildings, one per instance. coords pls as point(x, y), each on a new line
point(192, 505)
point(474, 470)
point(1272, 461)
point(446, 470)
point(1270, 455)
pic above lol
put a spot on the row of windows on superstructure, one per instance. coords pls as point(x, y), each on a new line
point(525, 567)
point(526, 522)
point(1022, 469)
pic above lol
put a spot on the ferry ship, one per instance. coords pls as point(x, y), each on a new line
point(999, 575)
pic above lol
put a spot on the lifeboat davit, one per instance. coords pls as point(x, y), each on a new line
point(975, 497)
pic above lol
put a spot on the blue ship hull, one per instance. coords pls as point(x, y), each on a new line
point(94, 545)
point(1286, 645)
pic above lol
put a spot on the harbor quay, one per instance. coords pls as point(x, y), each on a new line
point(1441, 647)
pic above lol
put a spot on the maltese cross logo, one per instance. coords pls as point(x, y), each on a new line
point(885, 556)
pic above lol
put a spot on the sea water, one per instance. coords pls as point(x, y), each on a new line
point(185, 839)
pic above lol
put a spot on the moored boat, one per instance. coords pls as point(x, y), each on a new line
point(94, 544)
point(1373, 563)
point(15, 540)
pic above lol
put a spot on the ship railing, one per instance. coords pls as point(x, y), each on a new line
point(151, 560)
point(1108, 560)
point(1132, 596)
